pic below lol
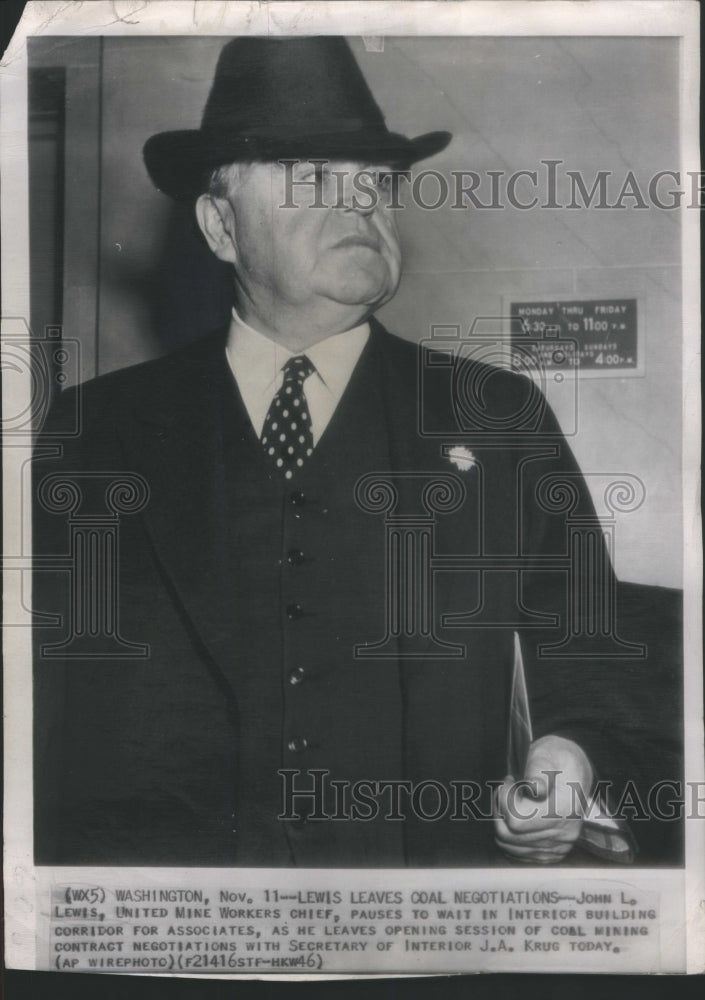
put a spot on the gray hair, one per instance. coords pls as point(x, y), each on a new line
point(223, 180)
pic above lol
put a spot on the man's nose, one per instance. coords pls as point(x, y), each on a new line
point(359, 192)
point(363, 209)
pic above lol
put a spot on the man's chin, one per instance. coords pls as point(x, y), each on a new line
point(363, 290)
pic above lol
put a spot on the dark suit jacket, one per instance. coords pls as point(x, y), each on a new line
point(137, 759)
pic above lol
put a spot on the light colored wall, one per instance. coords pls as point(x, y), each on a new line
point(596, 104)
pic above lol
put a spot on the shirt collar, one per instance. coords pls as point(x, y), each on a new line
point(258, 360)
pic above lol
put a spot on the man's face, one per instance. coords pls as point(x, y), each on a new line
point(312, 238)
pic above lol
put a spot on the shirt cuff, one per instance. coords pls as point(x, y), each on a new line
point(605, 836)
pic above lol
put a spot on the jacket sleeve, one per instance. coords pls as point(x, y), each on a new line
point(595, 675)
point(60, 474)
point(56, 450)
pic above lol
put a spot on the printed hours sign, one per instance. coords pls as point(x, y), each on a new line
point(596, 335)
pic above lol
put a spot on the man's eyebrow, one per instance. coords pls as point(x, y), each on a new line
point(321, 162)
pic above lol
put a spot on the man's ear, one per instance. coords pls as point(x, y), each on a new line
point(216, 221)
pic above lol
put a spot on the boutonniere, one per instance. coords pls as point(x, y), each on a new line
point(462, 457)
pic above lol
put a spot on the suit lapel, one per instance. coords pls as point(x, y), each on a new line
point(177, 440)
point(419, 458)
point(176, 431)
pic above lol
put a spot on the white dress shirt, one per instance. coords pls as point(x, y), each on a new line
point(257, 362)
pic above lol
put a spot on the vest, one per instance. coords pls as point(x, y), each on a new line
point(307, 566)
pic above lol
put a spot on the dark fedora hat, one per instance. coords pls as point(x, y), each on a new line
point(276, 98)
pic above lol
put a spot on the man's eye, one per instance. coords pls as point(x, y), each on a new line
point(384, 179)
point(313, 173)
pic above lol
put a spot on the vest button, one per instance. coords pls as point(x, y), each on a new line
point(297, 744)
point(297, 675)
point(294, 611)
point(297, 498)
point(295, 557)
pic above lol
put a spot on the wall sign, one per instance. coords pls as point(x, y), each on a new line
point(602, 332)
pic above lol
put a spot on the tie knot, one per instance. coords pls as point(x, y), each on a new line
point(298, 369)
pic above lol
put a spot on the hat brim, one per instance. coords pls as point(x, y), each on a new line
point(179, 161)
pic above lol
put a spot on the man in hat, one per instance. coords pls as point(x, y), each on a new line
point(276, 718)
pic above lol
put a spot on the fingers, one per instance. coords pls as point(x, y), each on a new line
point(537, 838)
point(533, 857)
point(550, 848)
point(527, 830)
point(522, 812)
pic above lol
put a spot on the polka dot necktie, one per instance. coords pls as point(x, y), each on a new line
point(287, 437)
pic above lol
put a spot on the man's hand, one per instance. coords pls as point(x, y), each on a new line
point(538, 819)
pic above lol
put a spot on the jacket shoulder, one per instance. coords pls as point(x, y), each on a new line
point(153, 386)
point(453, 381)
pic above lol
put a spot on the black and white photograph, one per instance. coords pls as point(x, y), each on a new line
point(352, 550)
